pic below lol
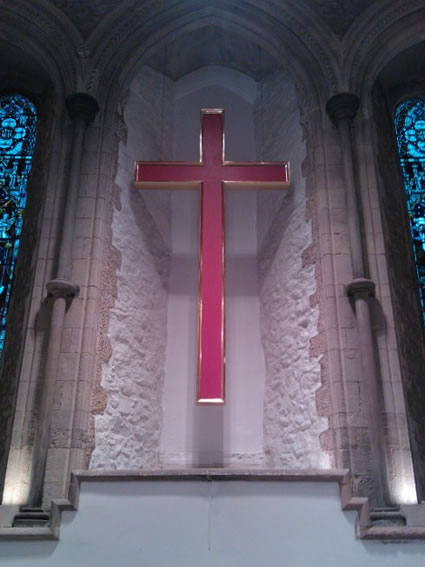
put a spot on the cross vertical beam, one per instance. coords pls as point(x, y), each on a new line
point(212, 174)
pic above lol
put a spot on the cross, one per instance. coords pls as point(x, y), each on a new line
point(212, 174)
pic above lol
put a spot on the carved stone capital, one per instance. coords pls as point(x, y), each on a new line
point(361, 287)
point(62, 288)
point(82, 106)
point(342, 106)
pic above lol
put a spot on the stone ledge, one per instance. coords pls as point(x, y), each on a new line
point(213, 474)
point(394, 534)
point(27, 534)
point(364, 527)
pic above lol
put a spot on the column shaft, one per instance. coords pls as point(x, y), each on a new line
point(373, 405)
point(65, 253)
point(82, 110)
point(42, 433)
point(353, 212)
point(342, 109)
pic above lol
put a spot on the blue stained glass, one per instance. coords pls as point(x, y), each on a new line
point(410, 132)
point(18, 126)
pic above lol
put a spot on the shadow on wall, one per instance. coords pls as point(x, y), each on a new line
point(155, 244)
point(275, 234)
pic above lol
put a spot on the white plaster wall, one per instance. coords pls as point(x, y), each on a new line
point(198, 434)
point(292, 425)
point(127, 434)
point(212, 524)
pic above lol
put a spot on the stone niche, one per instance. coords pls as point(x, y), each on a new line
point(270, 416)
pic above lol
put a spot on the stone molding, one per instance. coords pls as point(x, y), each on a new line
point(343, 106)
point(82, 106)
point(361, 287)
point(364, 48)
point(111, 42)
point(62, 288)
point(86, 62)
point(364, 527)
point(33, 20)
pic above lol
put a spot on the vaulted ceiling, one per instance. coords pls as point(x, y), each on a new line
point(214, 43)
point(337, 14)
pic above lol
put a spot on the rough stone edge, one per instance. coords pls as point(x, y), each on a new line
point(109, 290)
point(311, 256)
point(364, 529)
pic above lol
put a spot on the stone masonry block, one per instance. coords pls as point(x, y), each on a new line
point(343, 269)
point(86, 366)
point(68, 366)
point(341, 243)
point(88, 185)
point(83, 228)
point(333, 154)
point(81, 248)
point(85, 207)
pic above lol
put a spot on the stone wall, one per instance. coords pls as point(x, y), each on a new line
point(28, 322)
point(127, 433)
point(292, 425)
point(407, 318)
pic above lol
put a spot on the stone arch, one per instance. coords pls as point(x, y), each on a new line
point(117, 57)
point(40, 61)
point(384, 30)
point(378, 36)
point(42, 33)
point(288, 39)
point(31, 80)
point(400, 78)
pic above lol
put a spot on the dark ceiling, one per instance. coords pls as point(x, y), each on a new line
point(338, 14)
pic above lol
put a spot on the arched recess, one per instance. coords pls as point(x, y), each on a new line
point(33, 40)
point(409, 125)
point(370, 49)
point(401, 79)
point(18, 139)
point(299, 45)
point(134, 41)
point(379, 35)
point(45, 35)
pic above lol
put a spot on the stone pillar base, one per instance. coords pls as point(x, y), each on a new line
point(31, 518)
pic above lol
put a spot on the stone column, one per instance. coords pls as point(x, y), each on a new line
point(342, 110)
point(82, 110)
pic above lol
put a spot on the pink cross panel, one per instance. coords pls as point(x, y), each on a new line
point(212, 174)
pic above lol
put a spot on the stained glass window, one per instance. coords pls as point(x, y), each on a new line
point(410, 132)
point(18, 123)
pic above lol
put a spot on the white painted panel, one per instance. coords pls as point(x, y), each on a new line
point(210, 524)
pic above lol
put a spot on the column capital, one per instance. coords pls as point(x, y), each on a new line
point(62, 288)
point(342, 106)
point(81, 106)
point(361, 287)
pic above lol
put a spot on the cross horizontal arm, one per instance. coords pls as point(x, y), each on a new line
point(169, 173)
point(256, 173)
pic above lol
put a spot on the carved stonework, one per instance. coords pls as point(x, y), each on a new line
point(85, 15)
point(292, 24)
point(365, 35)
point(61, 288)
point(343, 106)
point(32, 20)
point(82, 106)
point(361, 287)
point(402, 275)
point(340, 14)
